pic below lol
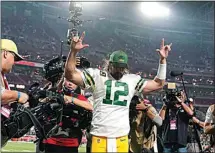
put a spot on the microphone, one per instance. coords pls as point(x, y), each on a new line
point(175, 73)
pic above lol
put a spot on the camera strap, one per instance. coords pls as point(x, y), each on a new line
point(35, 121)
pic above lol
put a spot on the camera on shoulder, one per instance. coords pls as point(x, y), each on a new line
point(54, 68)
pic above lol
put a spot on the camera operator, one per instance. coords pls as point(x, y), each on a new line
point(68, 137)
point(175, 115)
point(75, 118)
point(209, 126)
point(194, 128)
point(143, 131)
point(9, 54)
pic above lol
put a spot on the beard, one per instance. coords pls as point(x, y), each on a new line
point(117, 75)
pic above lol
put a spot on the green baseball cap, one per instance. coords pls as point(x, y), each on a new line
point(119, 59)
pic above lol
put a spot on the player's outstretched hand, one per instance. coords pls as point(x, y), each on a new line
point(77, 43)
point(164, 49)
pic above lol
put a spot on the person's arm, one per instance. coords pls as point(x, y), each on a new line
point(187, 109)
point(181, 101)
point(197, 121)
point(150, 112)
point(194, 118)
point(71, 72)
point(8, 96)
point(159, 81)
point(209, 128)
point(81, 103)
point(162, 112)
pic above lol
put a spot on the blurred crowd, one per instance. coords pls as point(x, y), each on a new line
point(38, 42)
point(42, 42)
point(35, 39)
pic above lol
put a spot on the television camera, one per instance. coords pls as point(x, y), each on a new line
point(38, 114)
point(171, 92)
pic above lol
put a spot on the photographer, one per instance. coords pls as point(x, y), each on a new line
point(209, 126)
point(143, 131)
point(175, 114)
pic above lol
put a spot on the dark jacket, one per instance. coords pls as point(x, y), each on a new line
point(182, 127)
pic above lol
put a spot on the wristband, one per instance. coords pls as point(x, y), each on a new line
point(19, 95)
point(72, 100)
point(161, 74)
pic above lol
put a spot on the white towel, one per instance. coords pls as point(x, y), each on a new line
point(111, 145)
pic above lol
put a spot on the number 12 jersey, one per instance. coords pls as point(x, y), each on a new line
point(111, 100)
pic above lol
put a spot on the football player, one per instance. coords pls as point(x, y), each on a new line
point(112, 90)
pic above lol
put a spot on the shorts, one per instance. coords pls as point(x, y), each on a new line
point(104, 144)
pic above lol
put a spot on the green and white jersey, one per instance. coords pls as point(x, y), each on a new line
point(111, 101)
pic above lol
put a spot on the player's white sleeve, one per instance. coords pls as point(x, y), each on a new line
point(2, 90)
point(209, 116)
point(88, 76)
point(91, 100)
point(141, 84)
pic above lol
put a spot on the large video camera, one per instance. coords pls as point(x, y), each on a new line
point(54, 68)
point(39, 114)
point(171, 92)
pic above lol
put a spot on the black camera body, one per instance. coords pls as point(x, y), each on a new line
point(38, 115)
point(54, 68)
point(75, 116)
point(84, 63)
point(171, 92)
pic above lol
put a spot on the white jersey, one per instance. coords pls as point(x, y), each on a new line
point(210, 118)
point(111, 101)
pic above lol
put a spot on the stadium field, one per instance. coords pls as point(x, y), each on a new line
point(26, 147)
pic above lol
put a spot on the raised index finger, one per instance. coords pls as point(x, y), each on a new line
point(162, 43)
point(82, 35)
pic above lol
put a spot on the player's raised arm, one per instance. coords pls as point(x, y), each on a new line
point(159, 80)
point(71, 72)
